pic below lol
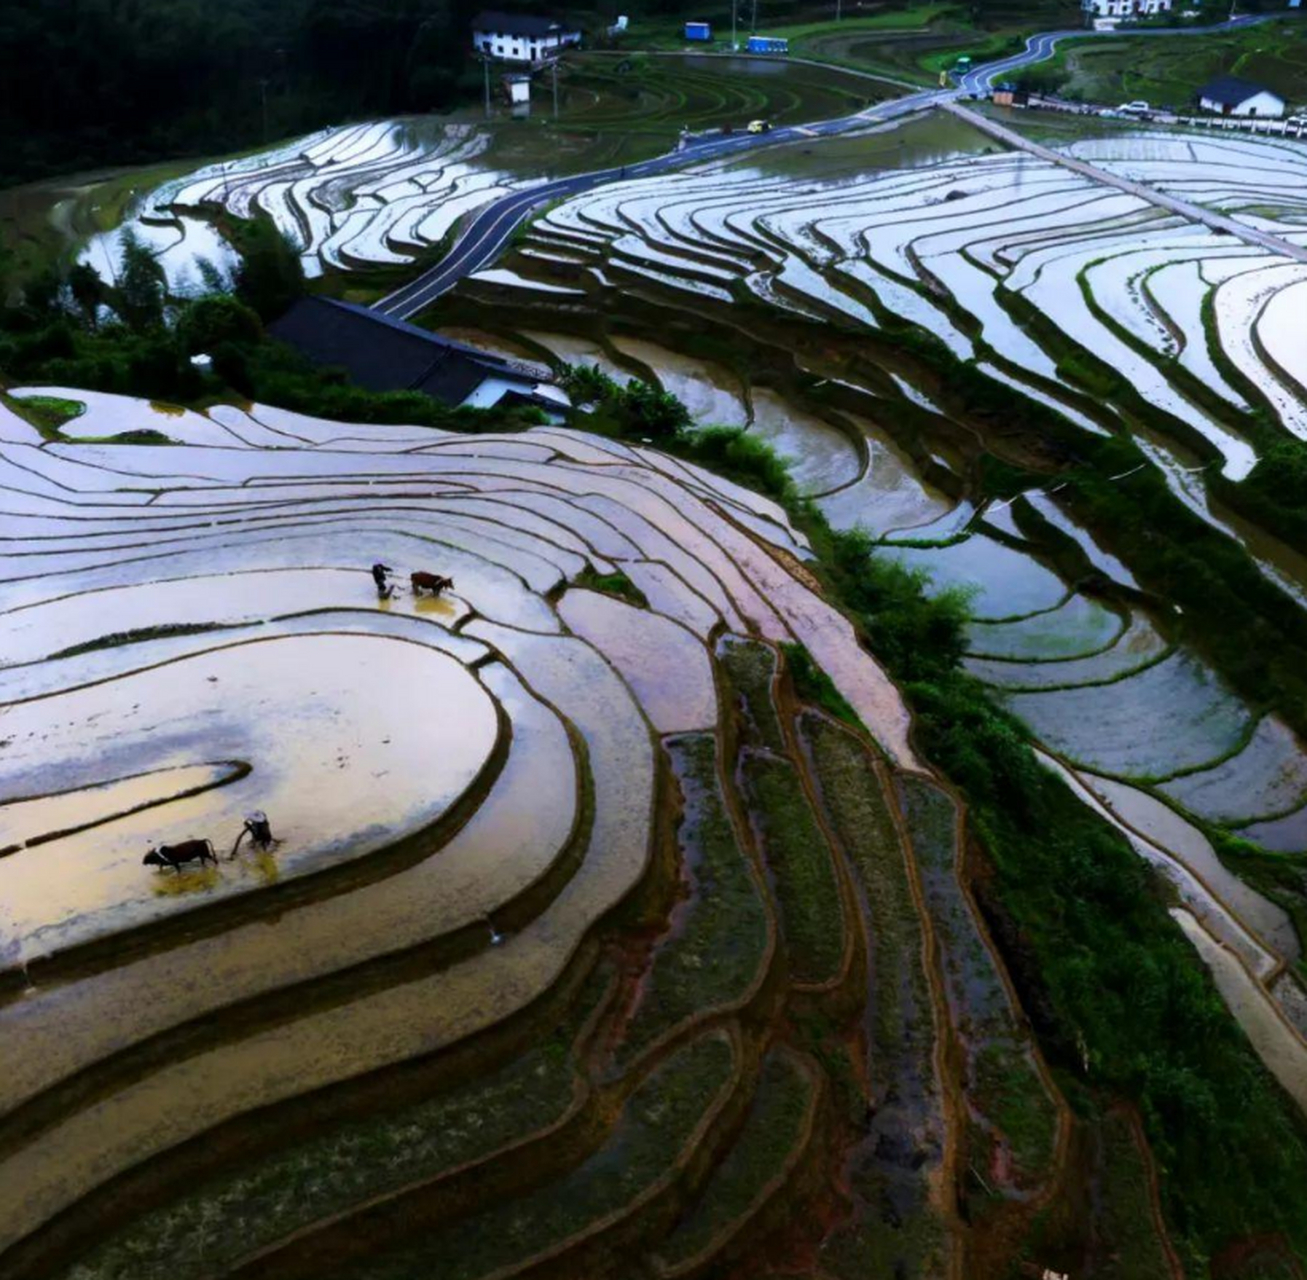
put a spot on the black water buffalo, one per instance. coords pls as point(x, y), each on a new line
point(173, 855)
point(432, 582)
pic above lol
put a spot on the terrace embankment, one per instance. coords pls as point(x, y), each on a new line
point(1185, 208)
point(416, 1050)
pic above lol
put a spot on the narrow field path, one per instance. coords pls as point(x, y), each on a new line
point(1195, 213)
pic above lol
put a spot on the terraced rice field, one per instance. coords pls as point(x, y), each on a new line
point(579, 944)
point(383, 194)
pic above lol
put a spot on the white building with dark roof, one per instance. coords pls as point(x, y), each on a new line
point(1231, 96)
point(1108, 13)
point(518, 37)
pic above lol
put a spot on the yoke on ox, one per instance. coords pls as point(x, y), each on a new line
point(173, 855)
point(431, 582)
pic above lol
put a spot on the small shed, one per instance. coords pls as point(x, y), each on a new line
point(701, 31)
point(1232, 96)
point(768, 44)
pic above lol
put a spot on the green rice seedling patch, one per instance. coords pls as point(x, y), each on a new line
point(1139, 647)
point(750, 669)
point(813, 685)
point(268, 1198)
point(655, 1126)
point(1170, 717)
point(1268, 777)
point(895, 1226)
point(613, 584)
point(718, 938)
point(48, 414)
point(1076, 628)
point(774, 1128)
point(1003, 1085)
point(802, 867)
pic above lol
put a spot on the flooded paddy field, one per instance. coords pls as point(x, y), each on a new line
point(592, 942)
point(555, 873)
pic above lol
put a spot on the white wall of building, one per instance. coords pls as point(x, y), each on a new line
point(1118, 10)
point(517, 48)
point(1264, 105)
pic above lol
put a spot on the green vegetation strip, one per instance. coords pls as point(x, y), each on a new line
point(768, 1144)
point(263, 1201)
point(1125, 1198)
point(802, 863)
point(613, 584)
point(1121, 1002)
point(814, 686)
point(750, 668)
point(1003, 1083)
point(898, 1231)
point(719, 935)
point(661, 1117)
point(140, 634)
point(902, 1016)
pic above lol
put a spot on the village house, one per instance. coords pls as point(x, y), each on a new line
point(517, 37)
point(1103, 14)
point(1231, 96)
point(384, 354)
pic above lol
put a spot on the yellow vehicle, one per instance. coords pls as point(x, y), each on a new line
point(759, 126)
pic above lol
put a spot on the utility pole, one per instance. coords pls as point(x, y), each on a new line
point(735, 43)
point(485, 63)
point(838, 6)
point(263, 97)
point(753, 22)
point(554, 65)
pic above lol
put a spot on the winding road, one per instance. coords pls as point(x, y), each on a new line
point(490, 229)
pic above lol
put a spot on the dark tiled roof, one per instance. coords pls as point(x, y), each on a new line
point(516, 24)
point(1229, 91)
point(383, 354)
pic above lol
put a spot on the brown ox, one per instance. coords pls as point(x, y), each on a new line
point(431, 582)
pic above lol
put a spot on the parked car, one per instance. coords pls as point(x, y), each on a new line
point(759, 126)
point(1136, 108)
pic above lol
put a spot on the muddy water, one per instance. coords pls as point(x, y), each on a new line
point(667, 667)
point(354, 741)
point(888, 495)
point(523, 825)
point(711, 394)
point(25, 821)
point(1167, 828)
point(821, 456)
point(1280, 1049)
point(38, 631)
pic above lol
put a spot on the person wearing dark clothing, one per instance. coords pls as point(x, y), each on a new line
point(259, 830)
point(379, 573)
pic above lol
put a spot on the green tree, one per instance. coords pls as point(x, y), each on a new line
point(209, 322)
point(88, 292)
point(139, 297)
point(271, 275)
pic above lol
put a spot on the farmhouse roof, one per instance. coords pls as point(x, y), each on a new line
point(383, 354)
point(1230, 91)
point(515, 24)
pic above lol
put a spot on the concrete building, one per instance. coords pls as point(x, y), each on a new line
point(516, 37)
point(1231, 96)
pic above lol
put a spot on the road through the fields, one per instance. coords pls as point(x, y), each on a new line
point(485, 235)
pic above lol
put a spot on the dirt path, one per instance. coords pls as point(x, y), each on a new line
point(1195, 213)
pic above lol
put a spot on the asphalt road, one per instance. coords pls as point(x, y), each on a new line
point(488, 232)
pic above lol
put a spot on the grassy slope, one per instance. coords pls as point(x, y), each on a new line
point(1168, 71)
